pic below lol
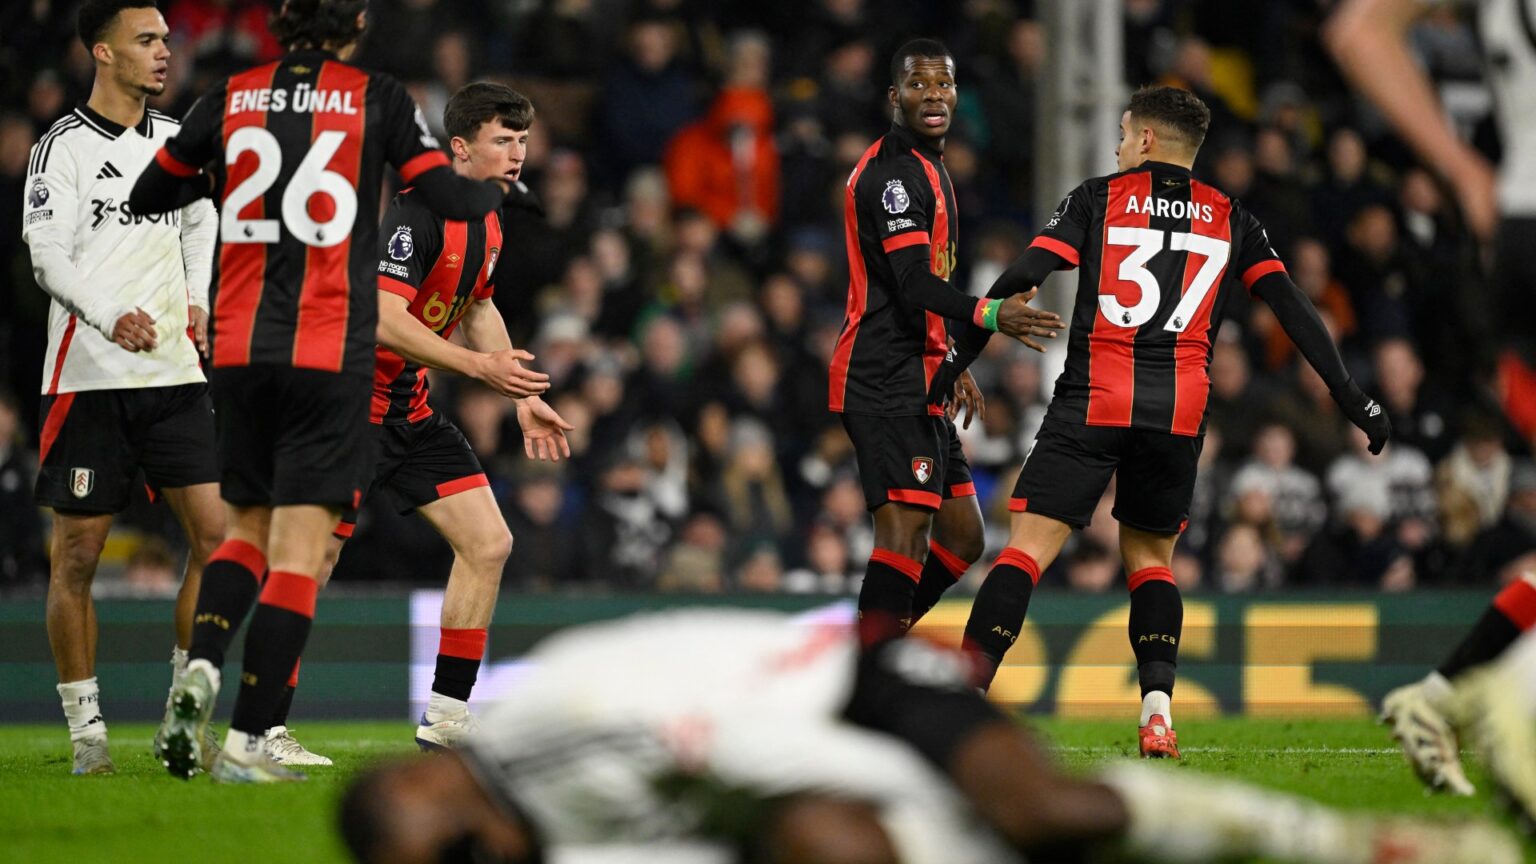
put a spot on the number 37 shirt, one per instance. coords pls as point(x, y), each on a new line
point(298, 149)
point(1157, 249)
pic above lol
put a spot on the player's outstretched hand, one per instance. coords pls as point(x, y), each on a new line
point(543, 430)
point(135, 331)
point(504, 372)
point(968, 398)
point(197, 320)
point(1022, 321)
point(1366, 413)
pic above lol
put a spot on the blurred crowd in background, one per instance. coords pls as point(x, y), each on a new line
point(686, 287)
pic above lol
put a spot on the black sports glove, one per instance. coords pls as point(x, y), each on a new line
point(520, 197)
point(1366, 413)
point(943, 387)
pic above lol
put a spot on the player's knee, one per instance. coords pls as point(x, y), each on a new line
point(488, 553)
point(967, 545)
point(827, 831)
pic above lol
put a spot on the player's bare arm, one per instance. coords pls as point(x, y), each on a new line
point(502, 371)
point(544, 430)
point(1369, 41)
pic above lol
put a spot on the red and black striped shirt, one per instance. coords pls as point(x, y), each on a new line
point(898, 196)
point(298, 149)
point(1157, 249)
point(441, 267)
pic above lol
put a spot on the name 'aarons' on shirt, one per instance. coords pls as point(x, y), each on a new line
point(1164, 208)
point(304, 100)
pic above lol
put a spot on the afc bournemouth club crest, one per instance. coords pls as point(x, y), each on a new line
point(81, 481)
point(922, 468)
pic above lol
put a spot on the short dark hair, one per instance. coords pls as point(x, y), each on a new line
point(317, 23)
point(481, 102)
point(96, 17)
point(1180, 112)
point(915, 48)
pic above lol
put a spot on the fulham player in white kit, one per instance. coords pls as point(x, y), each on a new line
point(724, 735)
point(123, 392)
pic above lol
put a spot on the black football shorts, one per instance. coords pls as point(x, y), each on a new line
point(418, 463)
point(913, 460)
point(291, 436)
point(94, 443)
point(1070, 464)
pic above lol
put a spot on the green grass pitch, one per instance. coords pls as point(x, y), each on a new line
point(142, 814)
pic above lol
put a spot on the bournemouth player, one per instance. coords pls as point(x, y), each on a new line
point(434, 278)
point(122, 388)
point(781, 743)
point(1159, 252)
point(295, 151)
point(901, 232)
point(1370, 41)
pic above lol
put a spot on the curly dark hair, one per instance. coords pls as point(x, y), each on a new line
point(1181, 113)
point(317, 23)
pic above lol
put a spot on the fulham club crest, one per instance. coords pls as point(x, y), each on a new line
point(81, 481)
point(922, 469)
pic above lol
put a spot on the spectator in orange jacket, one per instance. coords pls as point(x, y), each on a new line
point(727, 164)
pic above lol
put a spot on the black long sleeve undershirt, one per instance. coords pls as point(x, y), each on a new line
point(1302, 324)
point(445, 193)
point(159, 191)
point(920, 287)
point(1027, 271)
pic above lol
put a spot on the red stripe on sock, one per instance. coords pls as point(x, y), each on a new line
point(1014, 557)
point(1518, 603)
point(293, 677)
point(1150, 574)
point(244, 554)
point(900, 563)
point(292, 591)
point(466, 643)
point(954, 564)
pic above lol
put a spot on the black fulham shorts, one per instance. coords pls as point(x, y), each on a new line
point(418, 463)
point(291, 436)
point(94, 443)
point(1070, 464)
point(913, 460)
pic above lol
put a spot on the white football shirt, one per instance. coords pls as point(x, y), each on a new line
point(98, 260)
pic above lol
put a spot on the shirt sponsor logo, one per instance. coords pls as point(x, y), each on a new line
point(895, 197)
point(37, 196)
point(401, 245)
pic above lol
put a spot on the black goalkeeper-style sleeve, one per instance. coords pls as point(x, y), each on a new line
point(1304, 326)
point(159, 190)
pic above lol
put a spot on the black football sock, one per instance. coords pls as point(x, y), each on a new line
point(458, 661)
point(273, 644)
point(885, 598)
point(1513, 612)
point(230, 582)
point(1157, 622)
point(997, 614)
point(940, 573)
